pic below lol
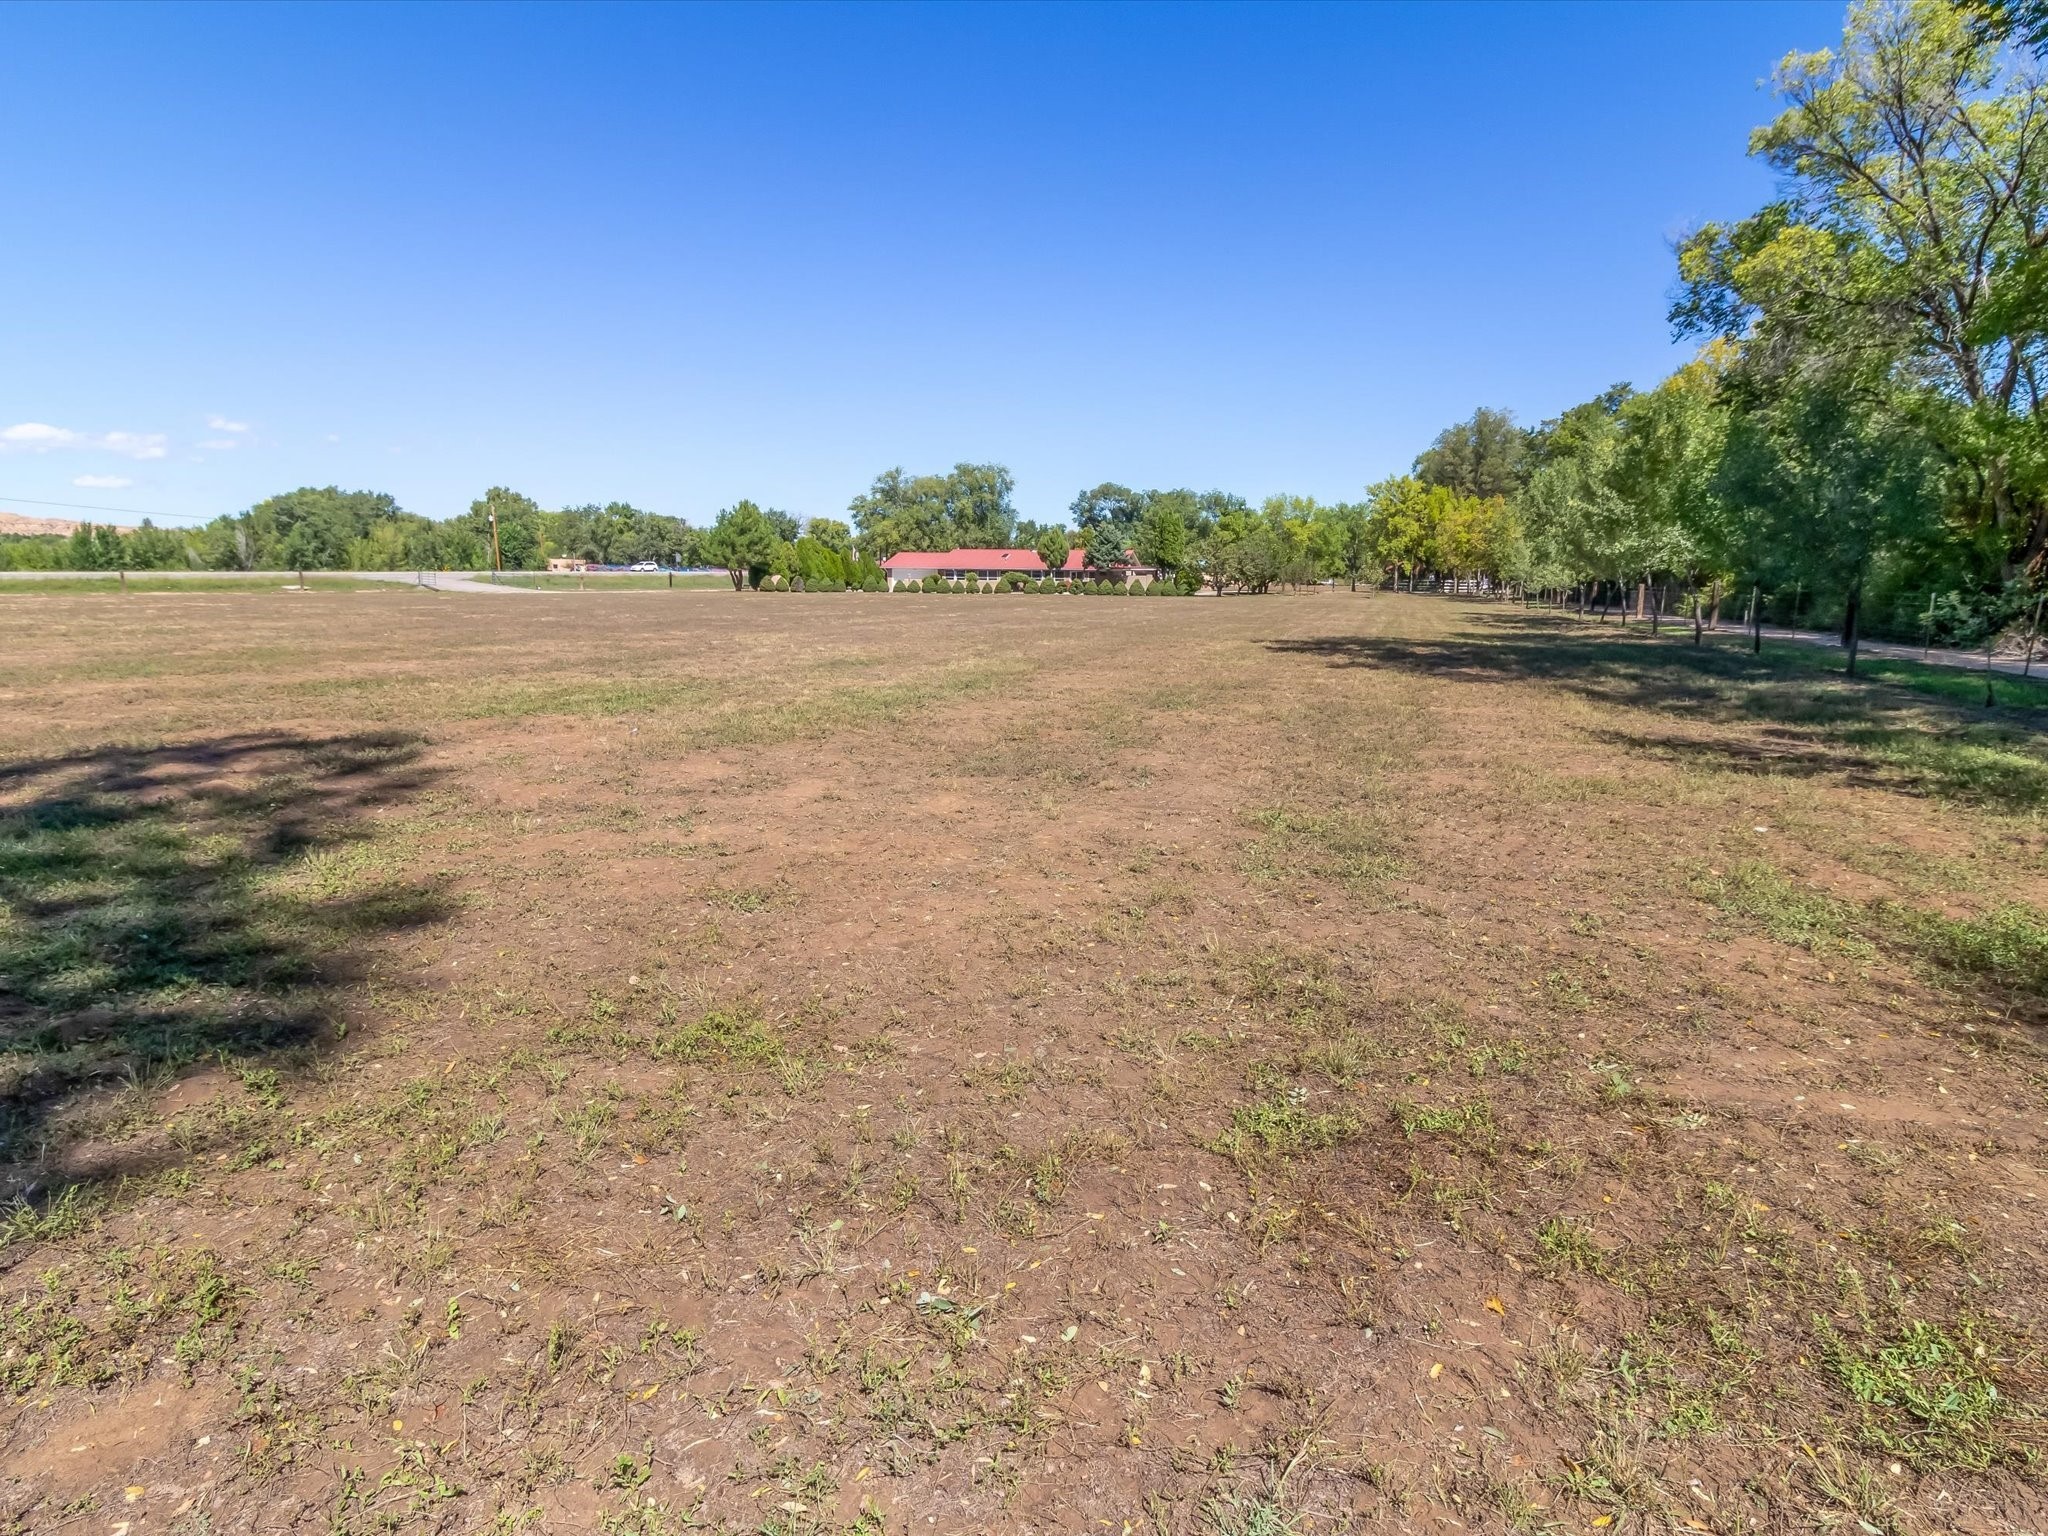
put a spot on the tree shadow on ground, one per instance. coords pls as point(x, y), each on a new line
point(162, 907)
point(1798, 722)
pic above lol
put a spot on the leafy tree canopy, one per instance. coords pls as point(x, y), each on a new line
point(968, 506)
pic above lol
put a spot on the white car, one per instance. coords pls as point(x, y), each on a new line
point(643, 565)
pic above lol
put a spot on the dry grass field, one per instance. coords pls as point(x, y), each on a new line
point(646, 1062)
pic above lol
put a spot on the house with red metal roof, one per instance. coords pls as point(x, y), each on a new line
point(995, 564)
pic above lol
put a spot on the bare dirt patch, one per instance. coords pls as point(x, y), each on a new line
point(849, 1063)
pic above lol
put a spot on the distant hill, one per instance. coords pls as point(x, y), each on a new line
point(15, 523)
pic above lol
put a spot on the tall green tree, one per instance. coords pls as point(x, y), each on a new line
point(1109, 505)
point(743, 541)
point(1053, 549)
point(1910, 238)
point(831, 533)
point(1345, 541)
point(1403, 523)
point(518, 519)
point(1105, 546)
point(1840, 473)
point(970, 505)
point(1161, 535)
point(1483, 456)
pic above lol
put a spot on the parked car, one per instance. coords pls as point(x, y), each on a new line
point(643, 565)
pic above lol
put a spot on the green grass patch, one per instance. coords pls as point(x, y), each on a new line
point(508, 700)
point(1281, 1126)
point(1978, 764)
point(1473, 1115)
point(1757, 890)
point(1343, 845)
point(736, 1036)
point(1566, 1243)
point(2007, 947)
point(1956, 684)
point(1923, 1393)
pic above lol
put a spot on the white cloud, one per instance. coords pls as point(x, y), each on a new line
point(222, 424)
point(37, 437)
point(103, 482)
point(220, 444)
point(135, 445)
point(41, 437)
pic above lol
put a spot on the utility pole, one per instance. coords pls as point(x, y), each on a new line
point(497, 564)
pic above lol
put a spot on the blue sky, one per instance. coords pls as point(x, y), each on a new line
point(681, 255)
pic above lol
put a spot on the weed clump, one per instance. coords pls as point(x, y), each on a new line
point(1282, 1126)
point(1925, 1393)
point(737, 1036)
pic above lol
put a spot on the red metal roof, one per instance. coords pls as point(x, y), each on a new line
point(980, 560)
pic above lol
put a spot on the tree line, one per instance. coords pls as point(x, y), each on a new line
point(1858, 441)
point(331, 529)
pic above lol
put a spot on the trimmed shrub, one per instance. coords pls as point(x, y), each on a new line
point(930, 583)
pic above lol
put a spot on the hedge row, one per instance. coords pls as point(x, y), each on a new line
point(797, 584)
point(1163, 587)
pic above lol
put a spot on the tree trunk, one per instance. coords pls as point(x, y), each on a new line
point(1756, 621)
point(1849, 614)
point(1695, 617)
point(1714, 614)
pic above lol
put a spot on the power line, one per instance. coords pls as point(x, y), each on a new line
point(81, 506)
